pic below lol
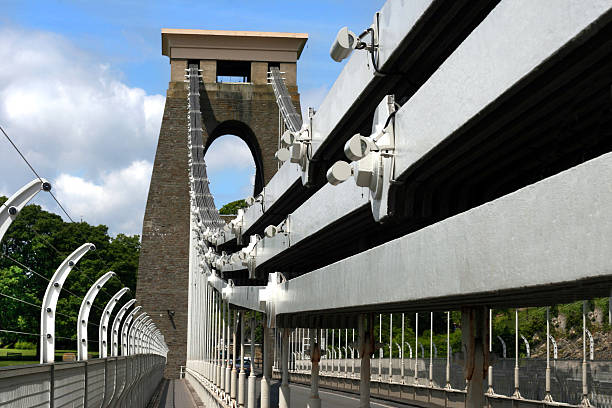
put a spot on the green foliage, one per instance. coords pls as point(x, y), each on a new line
point(41, 240)
point(25, 345)
point(233, 207)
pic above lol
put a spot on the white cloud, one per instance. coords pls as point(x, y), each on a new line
point(312, 98)
point(78, 124)
point(118, 190)
point(229, 153)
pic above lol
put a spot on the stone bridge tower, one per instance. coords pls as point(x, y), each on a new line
point(235, 99)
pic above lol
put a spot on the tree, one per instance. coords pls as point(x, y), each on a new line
point(233, 207)
point(40, 241)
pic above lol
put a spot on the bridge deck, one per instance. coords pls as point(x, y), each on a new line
point(175, 394)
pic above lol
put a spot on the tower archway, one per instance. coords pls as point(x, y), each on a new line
point(244, 132)
point(235, 98)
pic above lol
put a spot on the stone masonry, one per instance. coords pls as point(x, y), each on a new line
point(163, 277)
point(247, 110)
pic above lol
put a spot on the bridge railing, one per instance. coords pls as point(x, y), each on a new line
point(114, 381)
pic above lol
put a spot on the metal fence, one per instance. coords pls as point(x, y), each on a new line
point(113, 381)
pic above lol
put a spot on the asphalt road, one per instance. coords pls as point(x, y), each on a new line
point(329, 399)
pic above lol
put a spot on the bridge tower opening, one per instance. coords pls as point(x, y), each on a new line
point(241, 171)
point(235, 98)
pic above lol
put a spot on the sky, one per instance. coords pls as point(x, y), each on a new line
point(82, 91)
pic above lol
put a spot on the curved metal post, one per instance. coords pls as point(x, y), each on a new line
point(48, 308)
point(83, 321)
point(140, 336)
point(124, 330)
point(11, 207)
point(145, 347)
point(132, 332)
point(104, 320)
point(135, 336)
point(146, 335)
point(117, 327)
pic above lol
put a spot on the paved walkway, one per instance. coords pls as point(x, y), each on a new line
point(174, 394)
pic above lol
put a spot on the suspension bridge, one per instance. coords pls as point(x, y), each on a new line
point(457, 169)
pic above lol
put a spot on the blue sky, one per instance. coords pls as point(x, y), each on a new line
point(111, 51)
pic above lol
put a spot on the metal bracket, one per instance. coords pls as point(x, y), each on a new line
point(49, 304)
point(11, 207)
point(104, 320)
point(117, 327)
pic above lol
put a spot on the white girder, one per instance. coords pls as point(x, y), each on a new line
point(15, 203)
point(489, 62)
point(49, 304)
point(469, 92)
point(242, 296)
point(83, 319)
point(104, 322)
point(133, 333)
point(116, 333)
point(552, 232)
point(125, 329)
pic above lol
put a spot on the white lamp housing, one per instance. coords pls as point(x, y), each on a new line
point(346, 41)
point(339, 172)
point(271, 231)
point(282, 155)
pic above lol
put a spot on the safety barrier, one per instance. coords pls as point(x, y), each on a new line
point(113, 381)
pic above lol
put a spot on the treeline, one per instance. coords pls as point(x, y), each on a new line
point(566, 323)
point(36, 244)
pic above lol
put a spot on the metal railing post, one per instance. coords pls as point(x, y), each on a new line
point(83, 319)
point(124, 331)
point(13, 206)
point(49, 304)
point(251, 387)
point(104, 321)
point(284, 394)
point(116, 329)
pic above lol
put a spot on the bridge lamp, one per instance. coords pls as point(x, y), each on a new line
point(282, 155)
point(358, 147)
point(271, 231)
point(250, 200)
point(287, 138)
point(339, 172)
point(344, 44)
